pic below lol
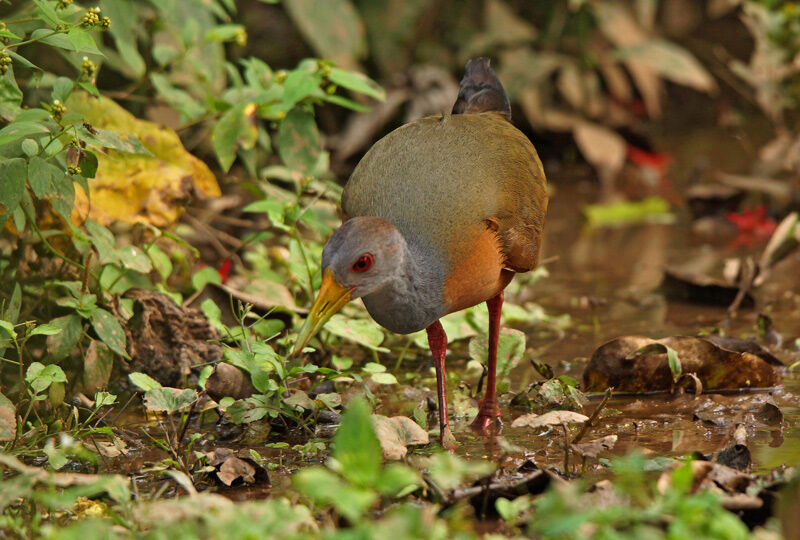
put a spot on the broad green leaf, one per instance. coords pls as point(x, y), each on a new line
point(45, 330)
point(362, 331)
point(169, 400)
point(124, 30)
point(234, 130)
point(161, 261)
point(384, 378)
point(13, 173)
point(97, 366)
point(103, 241)
point(134, 259)
point(299, 143)
point(120, 142)
point(60, 345)
point(357, 453)
point(47, 12)
point(324, 487)
point(40, 377)
point(179, 99)
point(17, 130)
point(224, 32)
point(144, 381)
point(343, 42)
point(510, 348)
point(82, 41)
point(205, 276)
point(299, 84)
point(356, 82)
point(109, 331)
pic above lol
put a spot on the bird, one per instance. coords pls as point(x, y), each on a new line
point(438, 216)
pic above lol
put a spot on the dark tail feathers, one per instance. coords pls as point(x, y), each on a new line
point(480, 90)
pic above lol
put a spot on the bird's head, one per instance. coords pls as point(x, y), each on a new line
point(360, 258)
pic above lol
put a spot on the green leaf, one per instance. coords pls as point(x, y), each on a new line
point(384, 378)
point(48, 13)
point(9, 328)
point(161, 261)
point(45, 330)
point(14, 305)
point(123, 30)
point(299, 143)
point(134, 259)
point(13, 173)
point(324, 487)
point(235, 129)
point(343, 42)
point(357, 82)
point(82, 41)
point(224, 32)
point(17, 130)
point(43, 177)
point(120, 142)
point(10, 94)
point(204, 276)
point(97, 366)
point(40, 377)
point(299, 85)
point(30, 147)
point(103, 241)
point(60, 345)
point(144, 381)
point(101, 399)
point(179, 99)
point(109, 331)
point(362, 331)
point(675, 365)
point(169, 400)
point(396, 478)
point(510, 348)
point(357, 452)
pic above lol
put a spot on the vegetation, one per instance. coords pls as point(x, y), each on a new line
point(126, 280)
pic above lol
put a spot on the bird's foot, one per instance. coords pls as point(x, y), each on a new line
point(488, 413)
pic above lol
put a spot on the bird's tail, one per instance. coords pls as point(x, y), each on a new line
point(480, 90)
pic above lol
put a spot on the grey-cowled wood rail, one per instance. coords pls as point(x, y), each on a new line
point(439, 216)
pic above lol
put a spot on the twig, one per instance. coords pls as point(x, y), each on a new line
point(595, 415)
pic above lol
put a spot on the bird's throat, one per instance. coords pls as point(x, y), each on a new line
point(411, 301)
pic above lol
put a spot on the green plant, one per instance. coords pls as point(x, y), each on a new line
point(639, 510)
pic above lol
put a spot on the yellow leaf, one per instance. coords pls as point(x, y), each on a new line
point(137, 188)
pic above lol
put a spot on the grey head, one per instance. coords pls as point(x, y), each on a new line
point(365, 254)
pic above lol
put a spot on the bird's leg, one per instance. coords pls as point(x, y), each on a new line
point(488, 409)
point(437, 341)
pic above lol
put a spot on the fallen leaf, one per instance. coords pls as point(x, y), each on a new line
point(129, 187)
point(701, 289)
point(8, 419)
point(396, 433)
point(550, 418)
point(615, 365)
point(591, 449)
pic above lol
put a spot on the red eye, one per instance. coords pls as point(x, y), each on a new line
point(363, 263)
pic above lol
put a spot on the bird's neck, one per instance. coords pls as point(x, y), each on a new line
point(412, 301)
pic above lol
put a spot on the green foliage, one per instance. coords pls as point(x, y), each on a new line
point(642, 512)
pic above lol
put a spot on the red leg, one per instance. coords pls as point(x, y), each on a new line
point(489, 410)
point(437, 340)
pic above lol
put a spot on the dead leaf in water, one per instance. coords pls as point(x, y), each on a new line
point(701, 289)
point(592, 449)
point(396, 433)
point(613, 365)
point(551, 418)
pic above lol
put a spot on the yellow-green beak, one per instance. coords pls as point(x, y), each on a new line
point(330, 299)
